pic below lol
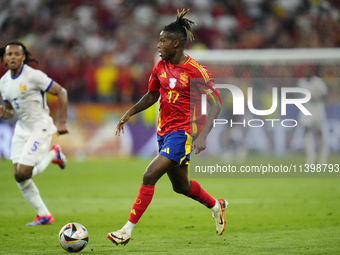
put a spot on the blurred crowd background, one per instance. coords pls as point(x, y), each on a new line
point(104, 50)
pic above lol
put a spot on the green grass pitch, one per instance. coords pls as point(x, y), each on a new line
point(265, 216)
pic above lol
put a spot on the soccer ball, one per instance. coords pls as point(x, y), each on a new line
point(73, 237)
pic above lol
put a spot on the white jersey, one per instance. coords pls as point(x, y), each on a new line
point(26, 94)
point(317, 88)
point(315, 105)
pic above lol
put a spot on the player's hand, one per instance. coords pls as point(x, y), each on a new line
point(62, 129)
point(199, 144)
point(122, 121)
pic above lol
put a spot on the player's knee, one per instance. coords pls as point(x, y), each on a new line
point(21, 176)
point(181, 189)
point(178, 190)
point(149, 178)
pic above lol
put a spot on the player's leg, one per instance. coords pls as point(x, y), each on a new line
point(308, 123)
point(181, 184)
point(321, 134)
point(190, 188)
point(54, 155)
point(31, 193)
point(25, 154)
point(156, 169)
point(44, 155)
point(322, 145)
point(180, 180)
point(308, 140)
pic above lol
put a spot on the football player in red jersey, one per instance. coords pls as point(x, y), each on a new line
point(171, 81)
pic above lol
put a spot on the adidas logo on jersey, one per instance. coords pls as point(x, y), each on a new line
point(163, 75)
point(166, 150)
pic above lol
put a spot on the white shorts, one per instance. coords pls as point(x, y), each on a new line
point(30, 150)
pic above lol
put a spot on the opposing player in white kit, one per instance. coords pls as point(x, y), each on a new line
point(23, 92)
point(313, 124)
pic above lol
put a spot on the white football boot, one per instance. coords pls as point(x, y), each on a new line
point(219, 216)
point(119, 237)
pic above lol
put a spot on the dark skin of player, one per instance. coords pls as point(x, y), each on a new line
point(170, 47)
point(14, 58)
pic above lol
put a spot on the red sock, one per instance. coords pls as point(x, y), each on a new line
point(142, 202)
point(196, 192)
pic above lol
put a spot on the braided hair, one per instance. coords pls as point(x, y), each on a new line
point(181, 26)
point(27, 54)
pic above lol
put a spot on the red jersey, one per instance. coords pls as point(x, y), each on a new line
point(178, 85)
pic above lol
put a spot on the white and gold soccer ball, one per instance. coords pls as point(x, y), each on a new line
point(73, 237)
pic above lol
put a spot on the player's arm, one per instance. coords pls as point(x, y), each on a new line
point(61, 93)
point(145, 102)
point(200, 143)
point(6, 111)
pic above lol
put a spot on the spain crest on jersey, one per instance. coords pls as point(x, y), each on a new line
point(184, 79)
point(172, 82)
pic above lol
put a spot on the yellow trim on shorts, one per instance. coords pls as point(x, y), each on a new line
point(187, 149)
point(159, 120)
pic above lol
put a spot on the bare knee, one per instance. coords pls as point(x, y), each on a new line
point(22, 176)
point(179, 179)
point(155, 170)
point(22, 173)
point(181, 189)
point(149, 178)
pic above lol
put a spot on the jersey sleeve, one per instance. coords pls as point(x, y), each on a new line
point(154, 84)
point(41, 80)
point(1, 92)
point(205, 83)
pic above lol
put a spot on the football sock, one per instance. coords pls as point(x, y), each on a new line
point(42, 165)
point(32, 195)
point(142, 202)
point(215, 207)
point(129, 227)
point(196, 192)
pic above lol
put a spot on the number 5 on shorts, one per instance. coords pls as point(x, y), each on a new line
point(35, 146)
